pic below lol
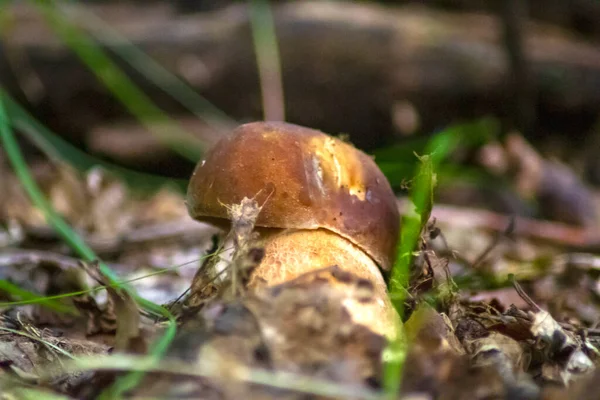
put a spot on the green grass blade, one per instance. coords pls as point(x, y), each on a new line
point(422, 190)
point(33, 394)
point(30, 298)
point(17, 161)
point(115, 80)
point(267, 59)
point(21, 170)
point(473, 134)
point(149, 68)
point(98, 288)
point(309, 385)
point(38, 339)
point(58, 149)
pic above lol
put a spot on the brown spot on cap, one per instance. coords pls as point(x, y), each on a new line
point(306, 179)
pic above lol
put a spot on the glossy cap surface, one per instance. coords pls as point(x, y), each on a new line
point(304, 179)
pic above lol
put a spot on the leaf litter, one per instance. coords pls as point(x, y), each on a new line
point(515, 318)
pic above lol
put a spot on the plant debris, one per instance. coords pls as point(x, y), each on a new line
point(491, 311)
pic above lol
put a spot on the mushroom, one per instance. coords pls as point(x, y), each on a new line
point(324, 203)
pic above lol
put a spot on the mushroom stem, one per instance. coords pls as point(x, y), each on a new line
point(324, 203)
point(292, 253)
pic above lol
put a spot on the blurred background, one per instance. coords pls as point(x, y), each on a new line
point(148, 86)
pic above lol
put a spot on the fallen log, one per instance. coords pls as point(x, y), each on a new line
point(346, 68)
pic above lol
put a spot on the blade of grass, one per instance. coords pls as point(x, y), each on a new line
point(33, 394)
point(149, 68)
point(27, 296)
point(447, 174)
point(422, 197)
point(70, 236)
point(397, 162)
point(267, 59)
point(57, 296)
point(18, 163)
point(473, 133)
point(115, 80)
point(57, 149)
point(412, 225)
point(279, 379)
point(97, 288)
point(38, 339)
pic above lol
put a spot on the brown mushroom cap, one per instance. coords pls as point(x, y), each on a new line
point(305, 179)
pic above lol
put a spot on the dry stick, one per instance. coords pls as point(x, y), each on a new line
point(506, 233)
point(548, 231)
point(524, 295)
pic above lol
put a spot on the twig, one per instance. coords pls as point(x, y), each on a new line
point(524, 295)
point(548, 231)
point(492, 245)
